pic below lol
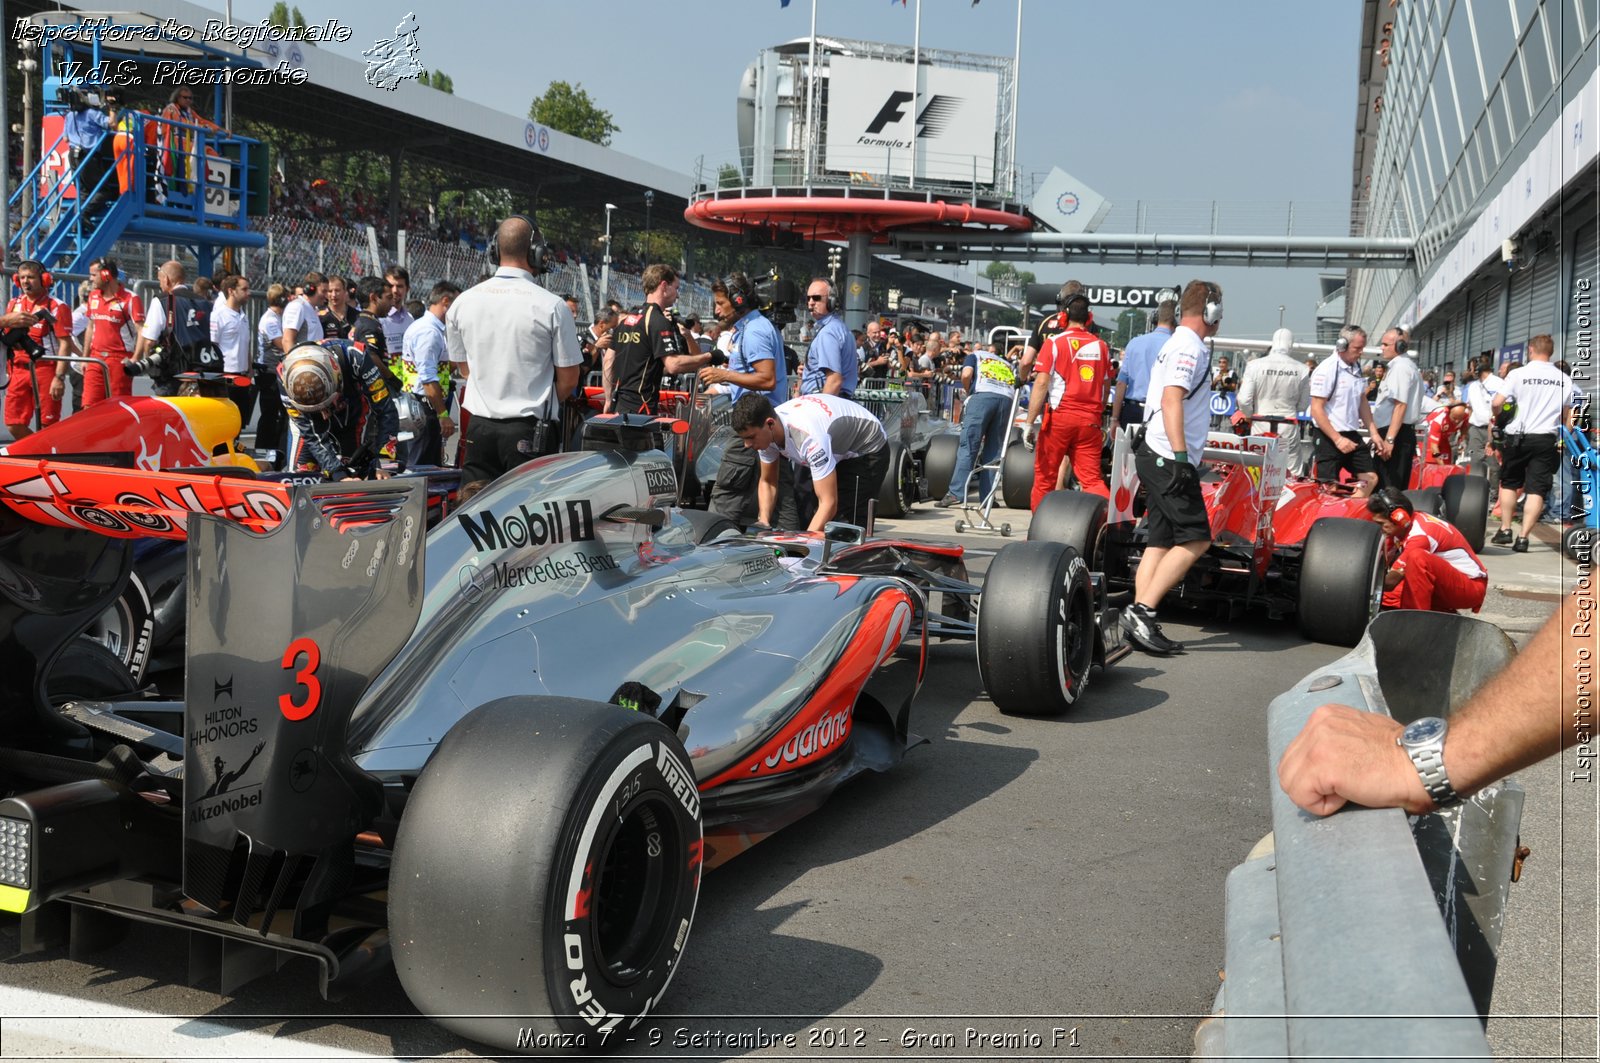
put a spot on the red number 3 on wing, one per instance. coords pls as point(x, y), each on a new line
point(304, 677)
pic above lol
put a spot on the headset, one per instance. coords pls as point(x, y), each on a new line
point(1400, 344)
point(108, 270)
point(742, 293)
point(1342, 344)
point(539, 254)
point(37, 267)
point(1212, 315)
point(1393, 506)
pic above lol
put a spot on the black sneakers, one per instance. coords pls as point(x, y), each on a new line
point(1521, 545)
point(1501, 538)
point(1139, 622)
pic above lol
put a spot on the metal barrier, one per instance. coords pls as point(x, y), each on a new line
point(1365, 934)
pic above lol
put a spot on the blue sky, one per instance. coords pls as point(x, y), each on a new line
point(1245, 100)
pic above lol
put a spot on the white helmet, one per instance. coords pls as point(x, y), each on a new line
point(312, 377)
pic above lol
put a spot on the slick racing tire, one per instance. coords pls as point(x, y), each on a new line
point(545, 873)
point(939, 464)
point(1579, 543)
point(1341, 580)
point(87, 671)
point(1029, 668)
point(1426, 500)
point(1466, 505)
point(899, 488)
point(1074, 519)
point(126, 626)
point(708, 526)
point(1016, 475)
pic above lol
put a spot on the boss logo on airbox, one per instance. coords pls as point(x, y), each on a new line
point(659, 480)
point(570, 521)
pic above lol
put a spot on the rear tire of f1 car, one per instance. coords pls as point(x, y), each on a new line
point(1426, 500)
point(126, 627)
point(545, 873)
point(1074, 518)
point(86, 670)
point(899, 489)
point(939, 464)
point(1029, 668)
point(1341, 580)
point(708, 526)
point(1016, 475)
point(1466, 505)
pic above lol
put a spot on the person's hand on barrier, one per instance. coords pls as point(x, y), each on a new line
point(1184, 477)
point(1347, 756)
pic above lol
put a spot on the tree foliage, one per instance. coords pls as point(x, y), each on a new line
point(568, 108)
point(728, 176)
point(286, 18)
point(438, 79)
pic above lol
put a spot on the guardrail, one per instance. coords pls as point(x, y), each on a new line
point(1370, 934)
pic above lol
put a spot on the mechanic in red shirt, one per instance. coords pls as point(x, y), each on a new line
point(41, 386)
point(1069, 389)
point(114, 313)
point(1436, 569)
point(1447, 434)
point(1047, 329)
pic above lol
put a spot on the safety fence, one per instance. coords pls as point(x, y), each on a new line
point(1365, 934)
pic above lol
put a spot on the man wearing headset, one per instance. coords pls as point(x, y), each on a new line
point(755, 366)
point(1398, 410)
point(1338, 409)
point(1435, 569)
point(48, 322)
point(650, 341)
point(1047, 328)
point(1177, 418)
point(341, 413)
point(520, 347)
point(1069, 391)
point(832, 367)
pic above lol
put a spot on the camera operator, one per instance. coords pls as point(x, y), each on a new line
point(176, 337)
point(34, 325)
point(599, 354)
point(88, 127)
point(754, 366)
point(341, 413)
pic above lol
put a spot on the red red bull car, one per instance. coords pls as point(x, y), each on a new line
point(1284, 545)
point(499, 752)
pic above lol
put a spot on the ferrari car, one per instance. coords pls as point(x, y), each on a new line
point(1287, 545)
point(500, 752)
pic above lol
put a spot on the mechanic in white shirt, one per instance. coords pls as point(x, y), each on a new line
point(1277, 387)
point(1338, 409)
point(1397, 412)
point(230, 332)
point(300, 321)
point(1483, 387)
point(841, 442)
point(1177, 417)
point(1543, 395)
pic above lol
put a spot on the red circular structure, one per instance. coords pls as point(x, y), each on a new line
point(840, 217)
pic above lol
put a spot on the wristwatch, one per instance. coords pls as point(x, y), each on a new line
point(1423, 741)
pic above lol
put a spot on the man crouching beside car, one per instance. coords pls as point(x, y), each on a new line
point(1435, 569)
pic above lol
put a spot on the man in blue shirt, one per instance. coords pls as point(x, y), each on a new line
point(86, 128)
point(1133, 379)
point(425, 367)
point(755, 364)
point(831, 364)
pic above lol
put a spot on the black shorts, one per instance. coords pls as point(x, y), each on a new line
point(1530, 463)
point(1170, 519)
point(1330, 461)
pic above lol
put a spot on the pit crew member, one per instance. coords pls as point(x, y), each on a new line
point(1070, 382)
point(47, 324)
point(649, 341)
point(114, 313)
point(1339, 408)
point(842, 443)
point(993, 383)
point(1168, 460)
point(1436, 569)
point(1479, 392)
point(300, 321)
point(425, 368)
point(1447, 433)
point(519, 343)
point(1397, 412)
point(1543, 395)
point(1047, 329)
point(1133, 378)
point(341, 413)
point(755, 367)
point(832, 367)
point(1277, 387)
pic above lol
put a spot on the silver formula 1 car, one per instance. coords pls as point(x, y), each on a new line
point(500, 752)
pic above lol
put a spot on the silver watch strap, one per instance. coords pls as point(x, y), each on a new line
point(1429, 762)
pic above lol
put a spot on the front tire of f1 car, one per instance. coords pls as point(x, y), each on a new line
point(545, 873)
point(1341, 580)
point(939, 464)
point(1029, 668)
point(1074, 518)
point(899, 489)
point(1016, 474)
point(1466, 505)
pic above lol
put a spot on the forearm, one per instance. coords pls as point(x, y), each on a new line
point(833, 383)
point(685, 363)
point(1036, 400)
point(1116, 400)
point(435, 396)
point(1396, 420)
point(1172, 418)
point(766, 500)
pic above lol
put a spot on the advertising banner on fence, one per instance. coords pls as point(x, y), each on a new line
point(875, 121)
